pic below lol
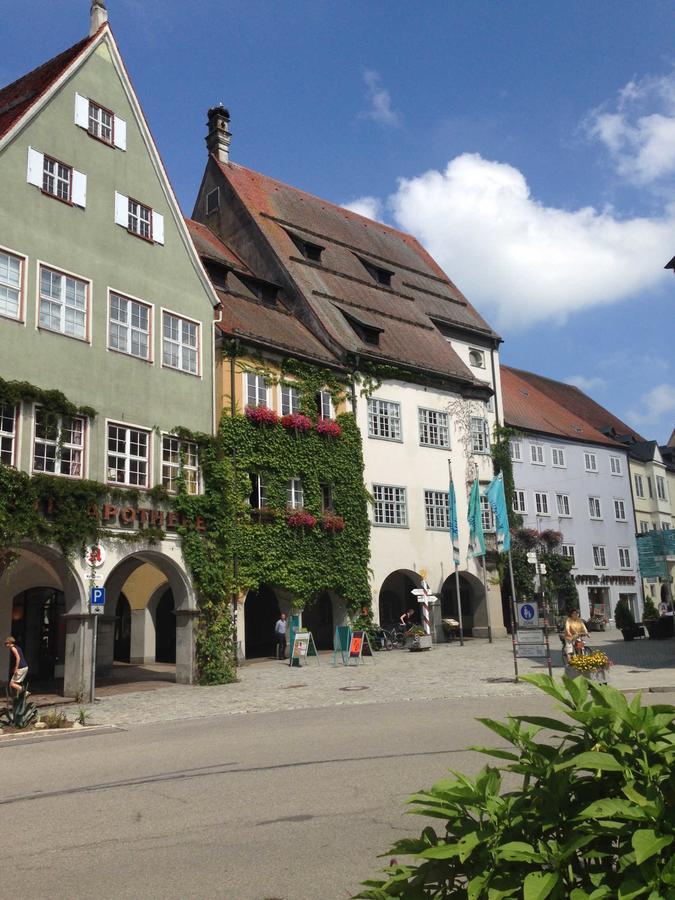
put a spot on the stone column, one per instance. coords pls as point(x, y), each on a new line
point(142, 637)
point(186, 657)
point(105, 645)
point(77, 667)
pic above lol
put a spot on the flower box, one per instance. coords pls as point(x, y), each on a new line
point(300, 518)
point(331, 522)
point(415, 642)
point(328, 428)
point(264, 514)
point(261, 415)
point(593, 666)
point(296, 422)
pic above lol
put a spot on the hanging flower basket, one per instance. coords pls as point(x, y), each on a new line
point(331, 522)
point(297, 422)
point(328, 428)
point(300, 518)
point(261, 415)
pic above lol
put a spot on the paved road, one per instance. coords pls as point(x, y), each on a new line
point(292, 805)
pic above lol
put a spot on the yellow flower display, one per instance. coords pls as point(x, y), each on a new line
point(591, 663)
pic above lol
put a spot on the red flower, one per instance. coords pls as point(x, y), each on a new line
point(300, 518)
point(297, 421)
point(328, 427)
point(261, 415)
point(331, 522)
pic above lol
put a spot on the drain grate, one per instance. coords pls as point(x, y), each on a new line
point(354, 687)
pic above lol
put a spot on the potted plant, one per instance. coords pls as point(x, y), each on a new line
point(417, 639)
point(597, 622)
point(625, 620)
point(261, 415)
point(328, 428)
point(593, 666)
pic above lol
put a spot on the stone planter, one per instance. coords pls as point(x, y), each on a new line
point(419, 642)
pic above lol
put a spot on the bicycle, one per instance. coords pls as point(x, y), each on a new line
point(392, 638)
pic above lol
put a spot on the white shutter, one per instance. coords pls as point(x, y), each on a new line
point(157, 228)
point(36, 163)
point(120, 133)
point(121, 210)
point(82, 111)
point(79, 189)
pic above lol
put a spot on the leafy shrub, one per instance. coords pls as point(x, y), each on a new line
point(592, 819)
point(650, 611)
point(623, 615)
point(55, 719)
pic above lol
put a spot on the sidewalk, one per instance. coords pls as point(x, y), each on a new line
point(448, 671)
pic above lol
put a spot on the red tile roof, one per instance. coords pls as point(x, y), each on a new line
point(578, 403)
point(210, 247)
point(17, 98)
point(419, 289)
point(529, 409)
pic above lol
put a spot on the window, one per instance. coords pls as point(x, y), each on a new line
point(101, 123)
point(436, 509)
point(480, 441)
point(650, 488)
point(537, 454)
point(56, 178)
point(128, 456)
point(390, 507)
point(262, 290)
point(519, 505)
point(644, 526)
point(486, 514)
point(310, 251)
point(384, 419)
point(258, 496)
point(594, 508)
point(558, 457)
point(179, 457)
point(434, 431)
point(290, 400)
point(212, 201)
point(59, 444)
point(567, 550)
point(11, 275)
point(63, 303)
point(129, 326)
point(639, 486)
point(326, 498)
point(324, 405)
point(541, 503)
point(180, 344)
point(256, 390)
point(619, 511)
point(7, 433)
point(381, 276)
point(624, 557)
point(139, 219)
point(665, 525)
point(599, 557)
point(615, 465)
point(477, 359)
point(591, 462)
point(563, 504)
point(661, 488)
point(516, 451)
point(295, 496)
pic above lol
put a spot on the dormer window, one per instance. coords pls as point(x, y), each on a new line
point(263, 290)
point(310, 251)
point(477, 358)
point(369, 332)
point(381, 276)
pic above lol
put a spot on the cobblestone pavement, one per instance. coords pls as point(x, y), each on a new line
point(448, 671)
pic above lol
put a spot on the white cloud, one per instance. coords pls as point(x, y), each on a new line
point(638, 130)
point(379, 99)
point(658, 402)
point(584, 383)
point(370, 207)
point(522, 262)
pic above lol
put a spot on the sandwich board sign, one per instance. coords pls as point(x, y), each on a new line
point(341, 643)
point(303, 646)
point(357, 642)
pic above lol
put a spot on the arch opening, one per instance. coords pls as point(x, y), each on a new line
point(396, 596)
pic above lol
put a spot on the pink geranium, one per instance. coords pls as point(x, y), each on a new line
point(331, 522)
point(328, 427)
point(300, 518)
point(261, 415)
point(297, 421)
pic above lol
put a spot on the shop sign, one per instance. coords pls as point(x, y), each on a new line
point(132, 517)
point(605, 579)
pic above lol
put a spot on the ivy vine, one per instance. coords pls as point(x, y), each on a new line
point(52, 401)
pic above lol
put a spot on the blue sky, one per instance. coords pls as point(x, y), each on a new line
point(530, 145)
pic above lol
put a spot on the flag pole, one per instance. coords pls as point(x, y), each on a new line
point(456, 563)
point(512, 607)
point(487, 600)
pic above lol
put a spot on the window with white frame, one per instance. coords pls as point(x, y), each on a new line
point(180, 344)
point(639, 486)
point(389, 505)
point(541, 503)
point(56, 178)
point(179, 458)
point(644, 526)
point(295, 495)
point(59, 444)
point(7, 433)
point(619, 511)
point(434, 429)
point(290, 400)
point(100, 122)
point(128, 455)
point(11, 278)
point(615, 465)
point(256, 390)
point(516, 450)
point(558, 457)
point(258, 495)
point(384, 419)
point(563, 504)
point(63, 303)
point(537, 454)
point(436, 509)
point(590, 462)
point(519, 503)
point(594, 510)
point(624, 557)
point(129, 326)
point(486, 515)
point(567, 550)
point(480, 438)
point(661, 490)
point(139, 219)
point(599, 557)
point(324, 405)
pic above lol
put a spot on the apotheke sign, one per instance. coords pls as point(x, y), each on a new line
point(111, 516)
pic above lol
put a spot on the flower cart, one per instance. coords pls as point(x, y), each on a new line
point(593, 666)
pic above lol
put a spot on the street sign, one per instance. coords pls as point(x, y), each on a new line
point(528, 615)
point(532, 636)
point(542, 569)
point(532, 558)
point(423, 597)
point(531, 650)
point(97, 600)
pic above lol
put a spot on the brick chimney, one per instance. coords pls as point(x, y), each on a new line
point(218, 139)
point(98, 15)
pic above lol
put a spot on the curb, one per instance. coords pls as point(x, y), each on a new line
point(33, 737)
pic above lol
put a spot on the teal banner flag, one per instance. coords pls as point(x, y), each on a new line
point(454, 526)
point(476, 536)
point(497, 500)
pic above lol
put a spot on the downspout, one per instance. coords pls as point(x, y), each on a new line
point(353, 385)
point(214, 391)
point(235, 558)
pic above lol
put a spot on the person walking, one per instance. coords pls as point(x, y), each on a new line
point(18, 667)
point(280, 637)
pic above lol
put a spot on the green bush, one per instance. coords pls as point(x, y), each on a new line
point(650, 611)
point(593, 816)
point(623, 616)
